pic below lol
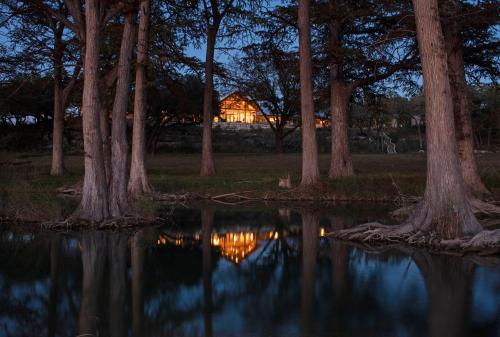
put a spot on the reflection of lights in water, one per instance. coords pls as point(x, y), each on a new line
point(162, 240)
point(235, 246)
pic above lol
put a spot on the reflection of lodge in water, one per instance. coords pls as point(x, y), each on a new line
point(234, 245)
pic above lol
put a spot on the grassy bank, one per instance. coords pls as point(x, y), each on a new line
point(26, 187)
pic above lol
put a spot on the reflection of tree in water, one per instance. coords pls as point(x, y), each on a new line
point(310, 241)
point(381, 296)
point(178, 291)
point(339, 258)
point(94, 249)
point(117, 283)
point(448, 280)
point(207, 220)
point(137, 247)
point(34, 283)
point(266, 289)
point(54, 292)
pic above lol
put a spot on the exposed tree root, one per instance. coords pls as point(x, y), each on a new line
point(482, 207)
point(485, 242)
point(475, 257)
point(478, 207)
point(114, 223)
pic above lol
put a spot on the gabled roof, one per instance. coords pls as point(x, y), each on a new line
point(243, 96)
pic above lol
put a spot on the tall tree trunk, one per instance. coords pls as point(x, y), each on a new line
point(463, 124)
point(445, 208)
point(94, 262)
point(310, 243)
point(310, 168)
point(138, 182)
point(106, 145)
point(119, 147)
point(340, 161)
point(207, 219)
point(118, 283)
point(57, 167)
point(94, 202)
point(207, 160)
point(340, 94)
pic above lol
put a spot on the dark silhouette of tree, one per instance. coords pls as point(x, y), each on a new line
point(364, 42)
point(269, 76)
point(43, 40)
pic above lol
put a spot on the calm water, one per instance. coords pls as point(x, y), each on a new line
point(239, 272)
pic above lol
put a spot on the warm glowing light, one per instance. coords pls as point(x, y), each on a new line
point(215, 239)
point(235, 246)
point(162, 240)
point(238, 108)
point(321, 231)
point(275, 235)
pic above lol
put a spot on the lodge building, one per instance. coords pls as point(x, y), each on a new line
point(239, 108)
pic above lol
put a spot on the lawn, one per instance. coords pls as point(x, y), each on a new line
point(26, 186)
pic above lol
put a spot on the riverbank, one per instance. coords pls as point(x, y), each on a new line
point(28, 191)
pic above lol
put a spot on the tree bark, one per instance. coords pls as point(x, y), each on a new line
point(94, 202)
point(207, 160)
point(138, 182)
point(340, 94)
point(445, 209)
point(310, 168)
point(340, 162)
point(119, 148)
point(463, 123)
point(57, 167)
point(106, 145)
